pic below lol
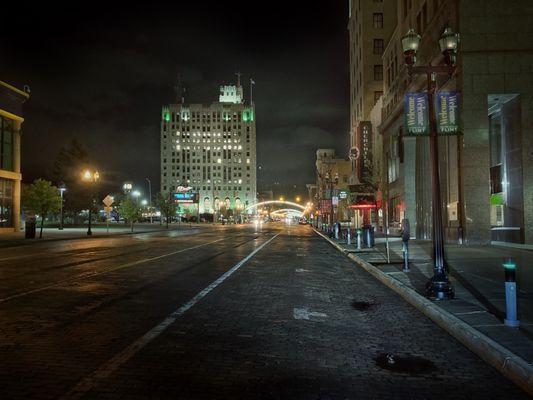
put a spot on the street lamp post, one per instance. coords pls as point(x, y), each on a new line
point(127, 187)
point(439, 286)
point(92, 178)
point(150, 198)
point(62, 190)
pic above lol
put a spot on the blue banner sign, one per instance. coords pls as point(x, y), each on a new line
point(416, 114)
point(447, 112)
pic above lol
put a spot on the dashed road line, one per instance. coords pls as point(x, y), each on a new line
point(88, 383)
point(105, 271)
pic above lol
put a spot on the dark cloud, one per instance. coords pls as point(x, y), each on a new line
point(101, 74)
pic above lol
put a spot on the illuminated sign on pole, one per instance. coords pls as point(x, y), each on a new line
point(185, 195)
point(447, 112)
point(365, 145)
point(416, 114)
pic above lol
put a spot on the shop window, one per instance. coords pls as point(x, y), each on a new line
point(6, 144)
point(6, 203)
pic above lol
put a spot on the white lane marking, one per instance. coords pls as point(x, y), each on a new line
point(304, 313)
point(301, 270)
point(112, 365)
point(105, 271)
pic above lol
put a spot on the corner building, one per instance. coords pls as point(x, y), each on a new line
point(11, 101)
point(487, 170)
point(211, 149)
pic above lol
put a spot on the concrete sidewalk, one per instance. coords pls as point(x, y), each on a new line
point(477, 269)
point(52, 234)
point(477, 276)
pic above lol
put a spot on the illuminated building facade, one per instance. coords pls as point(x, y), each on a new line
point(485, 169)
point(370, 26)
point(11, 100)
point(211, 149)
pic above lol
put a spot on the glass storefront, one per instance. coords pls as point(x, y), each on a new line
point(6, 144)
point(506, 186)
point(6, 203)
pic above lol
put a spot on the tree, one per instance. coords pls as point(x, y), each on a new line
point(166, 206)
point(68, 165)
point(130, 210)
point(41, 198)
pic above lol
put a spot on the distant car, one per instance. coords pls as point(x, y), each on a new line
point(302, 222)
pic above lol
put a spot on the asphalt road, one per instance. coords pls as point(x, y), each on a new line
point(227, 312)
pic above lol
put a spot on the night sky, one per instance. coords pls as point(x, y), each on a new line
point(100, 74)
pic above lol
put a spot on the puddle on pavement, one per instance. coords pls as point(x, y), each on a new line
point(404, 364)
point(363, 305)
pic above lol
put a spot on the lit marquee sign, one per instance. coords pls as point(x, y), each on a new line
point(365, 144)
point(185, 195)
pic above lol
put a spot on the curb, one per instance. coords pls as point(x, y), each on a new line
point(507, 363)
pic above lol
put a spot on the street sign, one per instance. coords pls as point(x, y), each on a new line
point(447, 112)
point(365, 144)
point(185, 197)
point(108, 200)
point(108, 209)
point(416, 114)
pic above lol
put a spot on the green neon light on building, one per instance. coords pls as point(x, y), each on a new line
point(496, 199)
point(166, 116)
point(248, 115)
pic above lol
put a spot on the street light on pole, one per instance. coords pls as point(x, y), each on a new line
point(439, 286)
point(62, 190)
point(136, 194)
point(91, 177)
point(150, 197)
point(127, 187)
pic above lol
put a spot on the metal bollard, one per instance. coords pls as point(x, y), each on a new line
point(348, 238)
point(359, 239)
point(405, 257)
point(510, 293)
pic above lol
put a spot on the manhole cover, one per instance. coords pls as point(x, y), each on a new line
point(405, 364)
point(362, 305)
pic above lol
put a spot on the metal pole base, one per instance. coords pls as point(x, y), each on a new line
point(512, 323)
point(439, 288)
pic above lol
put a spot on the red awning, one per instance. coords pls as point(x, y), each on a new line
point(363, 205)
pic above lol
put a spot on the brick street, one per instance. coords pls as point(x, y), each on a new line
point(198, 315)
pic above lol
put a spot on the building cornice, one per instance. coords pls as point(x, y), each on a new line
point(14, 89)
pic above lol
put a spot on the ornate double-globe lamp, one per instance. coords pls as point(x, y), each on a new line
point(439, 286)
point(91, 177)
